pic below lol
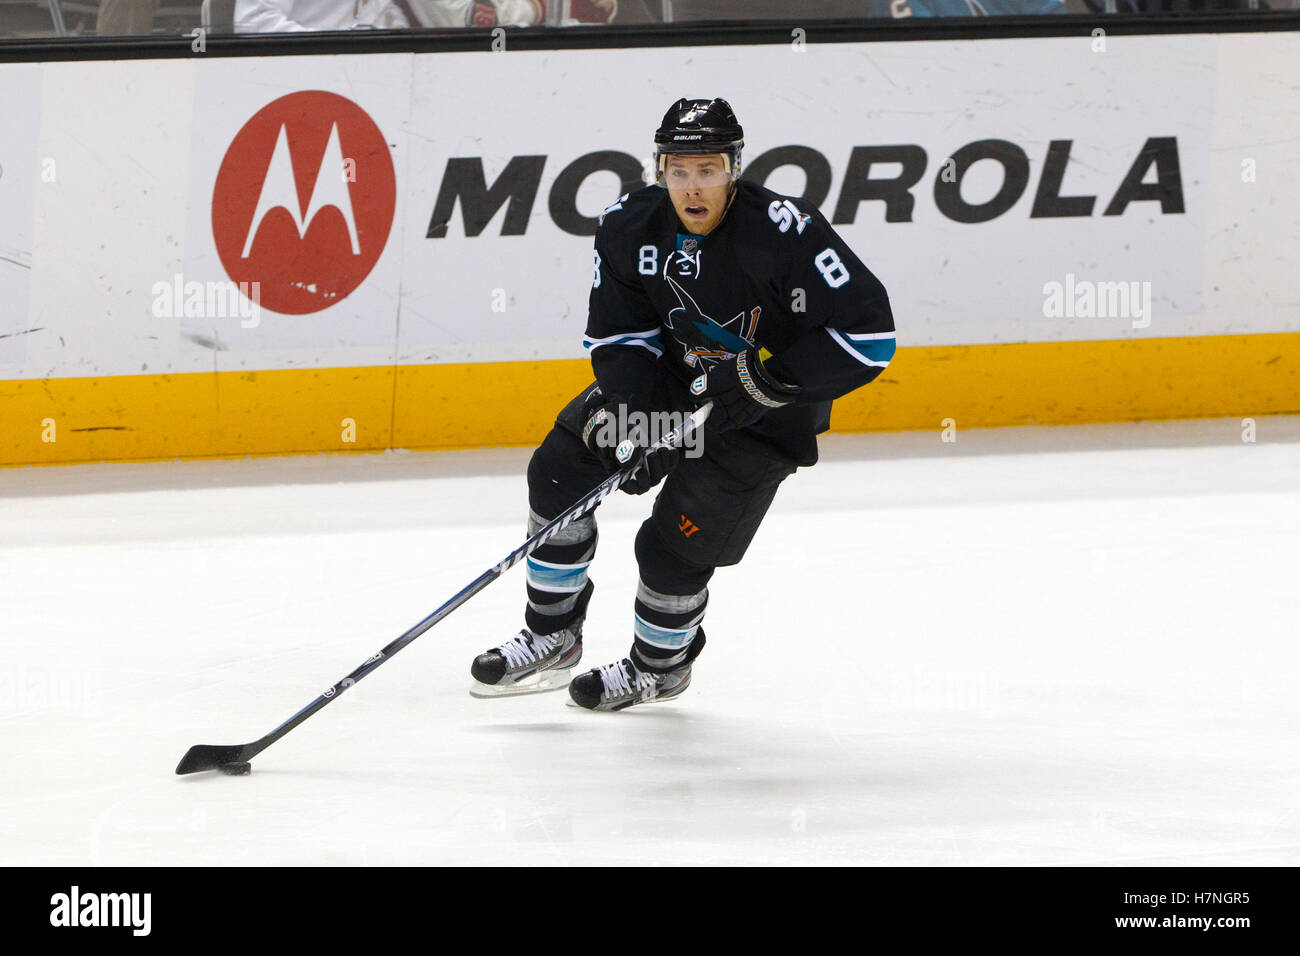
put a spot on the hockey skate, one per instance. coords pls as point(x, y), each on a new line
point(528, 663)
point(622, 684)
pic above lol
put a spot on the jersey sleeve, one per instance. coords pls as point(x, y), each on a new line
point(623, 330)
point(849, 328)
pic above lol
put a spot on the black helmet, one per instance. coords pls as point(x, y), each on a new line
point(695, 127)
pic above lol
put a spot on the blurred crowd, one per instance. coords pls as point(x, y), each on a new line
point(139, 17)
point(267, 16)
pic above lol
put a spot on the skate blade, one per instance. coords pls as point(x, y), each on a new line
point(541, 683)
point(597, 710)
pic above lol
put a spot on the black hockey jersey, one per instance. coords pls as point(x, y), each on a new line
point(772, 275)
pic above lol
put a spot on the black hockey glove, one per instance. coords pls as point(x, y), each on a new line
point(742, 391)
point(606, 432)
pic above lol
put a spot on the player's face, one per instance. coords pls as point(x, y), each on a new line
point(698, 187)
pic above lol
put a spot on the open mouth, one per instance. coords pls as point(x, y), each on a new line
point(697, 212)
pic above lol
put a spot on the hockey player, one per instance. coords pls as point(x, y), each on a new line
point(706, 287)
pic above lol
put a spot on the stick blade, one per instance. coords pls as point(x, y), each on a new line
point(202, 757)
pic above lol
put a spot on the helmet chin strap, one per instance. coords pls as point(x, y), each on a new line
point(733, 170)
point(731, 198)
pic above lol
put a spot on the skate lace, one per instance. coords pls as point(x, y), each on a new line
point(526, 647)
point(619, 683)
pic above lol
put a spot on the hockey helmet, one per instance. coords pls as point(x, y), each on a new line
point(700, 127)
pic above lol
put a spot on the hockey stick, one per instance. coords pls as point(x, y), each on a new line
point(234, 759)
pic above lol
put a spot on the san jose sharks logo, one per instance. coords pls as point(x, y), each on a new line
point(708, 342)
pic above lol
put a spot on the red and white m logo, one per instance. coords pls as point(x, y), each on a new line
point(304, 201)
point(280, 191)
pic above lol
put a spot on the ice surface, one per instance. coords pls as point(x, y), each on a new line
point(1031, 646)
